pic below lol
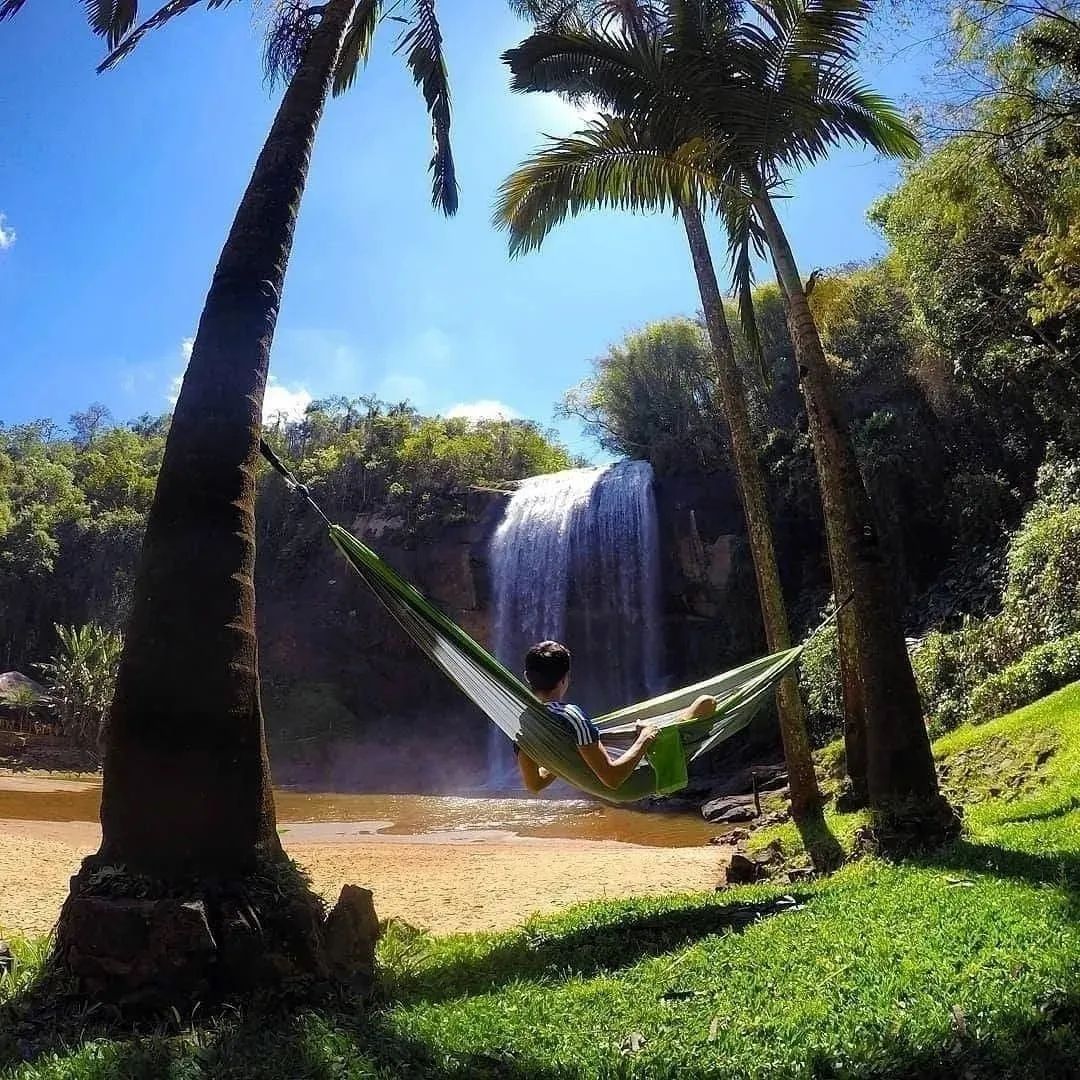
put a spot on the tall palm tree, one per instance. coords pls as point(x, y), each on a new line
point(186, 789)
point(747, 104)
point(617, 162)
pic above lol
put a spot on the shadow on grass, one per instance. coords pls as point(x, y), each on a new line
point(48, 1018)
point(1057, 868)
point(1051, 814)
point(1042, 1042)
point(607, 944)
point(825, 851)
point(342, 1040)
point(336, 1040)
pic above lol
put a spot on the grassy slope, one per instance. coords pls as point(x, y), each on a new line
point(960, 966)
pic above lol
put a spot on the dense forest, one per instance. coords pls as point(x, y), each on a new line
point(73, 501)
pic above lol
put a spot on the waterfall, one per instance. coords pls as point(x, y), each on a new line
point(576, 558)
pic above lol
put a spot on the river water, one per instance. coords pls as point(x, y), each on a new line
point(317, 815)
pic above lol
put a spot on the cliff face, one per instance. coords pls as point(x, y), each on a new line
point(352, 703)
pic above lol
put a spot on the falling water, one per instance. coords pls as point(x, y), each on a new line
point(576, 558)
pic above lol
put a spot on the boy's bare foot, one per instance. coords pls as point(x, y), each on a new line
point(704, 706)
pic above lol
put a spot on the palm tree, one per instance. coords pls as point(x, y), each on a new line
point(616, 162)
point(81, 678)
point(743, 105)
point(186, 790)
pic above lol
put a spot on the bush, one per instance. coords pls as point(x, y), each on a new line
point(967, 674)
point(948, 667)
point(819, 680)
point(1042, 590)
point(1039, 672)
point(1057, 485)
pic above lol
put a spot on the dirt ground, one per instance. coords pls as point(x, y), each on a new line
point(441, 884)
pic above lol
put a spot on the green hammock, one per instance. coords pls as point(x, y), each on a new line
point(510, 704)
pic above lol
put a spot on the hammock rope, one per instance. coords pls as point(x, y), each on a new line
point(510, 705)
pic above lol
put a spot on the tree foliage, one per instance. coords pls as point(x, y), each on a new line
point(81, 677)
point(72, 509)
point(651, 396)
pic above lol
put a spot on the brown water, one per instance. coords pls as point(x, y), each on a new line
point(432, 817)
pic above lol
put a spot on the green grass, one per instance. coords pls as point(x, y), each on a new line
point(959, 966)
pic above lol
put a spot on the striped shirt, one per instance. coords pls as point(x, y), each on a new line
point(583, 731)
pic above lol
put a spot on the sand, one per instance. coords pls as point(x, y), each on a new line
point(441, 883)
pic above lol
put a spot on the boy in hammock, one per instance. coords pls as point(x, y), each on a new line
point(547, 671)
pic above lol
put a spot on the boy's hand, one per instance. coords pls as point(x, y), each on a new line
point(646, 734)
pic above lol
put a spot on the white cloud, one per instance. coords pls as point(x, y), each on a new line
point(281, 403)
point(7, 233)
point(485, 409)
point(186, 345)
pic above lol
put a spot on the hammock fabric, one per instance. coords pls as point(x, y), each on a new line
point(510, 704)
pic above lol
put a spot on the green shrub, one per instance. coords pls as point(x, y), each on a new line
point(1057, 485)
point(819, 680)
point(1042, 591)
point(1038, 672)
point(989, 665)
point(948, 667)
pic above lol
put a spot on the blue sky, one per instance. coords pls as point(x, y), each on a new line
point(116, 192)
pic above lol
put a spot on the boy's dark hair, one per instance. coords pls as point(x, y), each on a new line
point(545, 665)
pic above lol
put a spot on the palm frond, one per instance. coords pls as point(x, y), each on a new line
point(744, 241)
point(356, 44)
point(164, 14)
point(795, 33)
point(111, 19)
point(858, 114)
point(636, 16)
point(549, 14)
point(607, 165)
point(422, 44)
point(805, 126)
point(621, 74)
point(697, 26)
point(287, 38)
point(10, 8)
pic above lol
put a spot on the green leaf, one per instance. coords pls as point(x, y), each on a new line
point(422, 45)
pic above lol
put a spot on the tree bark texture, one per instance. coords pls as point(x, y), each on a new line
point(900, 766)
point(186, 786)
point(805, 796)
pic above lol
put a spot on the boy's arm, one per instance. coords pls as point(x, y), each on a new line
point(613, 771)
point(534, 777)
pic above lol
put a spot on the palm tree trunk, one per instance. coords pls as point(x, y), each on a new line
point(805, 796)
point(900, 767)
point(186, 784)
point(856, 795)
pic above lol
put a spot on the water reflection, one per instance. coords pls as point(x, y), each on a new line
point(33, 799)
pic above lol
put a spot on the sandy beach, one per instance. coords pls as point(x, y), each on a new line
point(441, 882)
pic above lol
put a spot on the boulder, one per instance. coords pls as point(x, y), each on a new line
point(742, 870)
point(769, 778)
point(349, 937)
point(735, 836)
point(730, 810)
